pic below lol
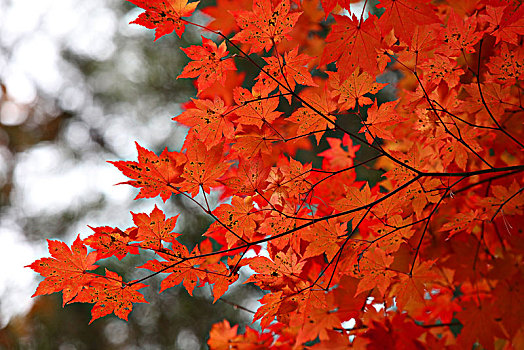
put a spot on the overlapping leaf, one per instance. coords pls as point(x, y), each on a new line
point(110, 294)
point(203, 167)
point(289, 70)
point(109, 241)
point(180, 265)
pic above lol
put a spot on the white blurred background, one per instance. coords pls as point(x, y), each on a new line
point(60, 120)
point(78, 86)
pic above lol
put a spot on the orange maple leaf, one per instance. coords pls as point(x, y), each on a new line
point(223, 19)
point(275, 274)
point(411, 289)
point(254, 141)
point(221, 335)
point(315, 324)
point(463, 222)
point(271, 307)
point(238, 218)
point(441, 69)
point(323, 238)
point(225, 337)
point(375, 273)
point(221, 278)
point(250, 176)
point(338, 157)
point(352, 200)
point(460, 35)
point(329, 5)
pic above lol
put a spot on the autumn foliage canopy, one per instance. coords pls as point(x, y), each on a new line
point(371, 175)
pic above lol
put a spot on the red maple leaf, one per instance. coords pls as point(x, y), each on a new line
point(460, 35)
point(154, 175)
point(203, 167)
point(422, 251)
point(250, 176)
point(250, 340)
point(271, 305)
point(223, 19)
point(289, 70)
point(404, 16)
point(441, 69)
point(255, 108)
point(164, 15)
point(283, 271)
point(506, 22)
point(210, 121)
point(221, 278)
point(337, 157)
point(265, 25)
point(413, 287)
point(508, 68)
point(329, 5)
point(239, 219)
point(480, 325)
point(209, 65)
point(154, 228)
point(324, 238)
point(351, 91)
point(110, 294)
point(379, 120)
point(66, 270)
point(309, 120)
point(316, 323)
point(374, 270)
point(253, 142)
point(221, 335)
point(353, 43)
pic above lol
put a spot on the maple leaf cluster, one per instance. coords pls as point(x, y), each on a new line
point(428, 254)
